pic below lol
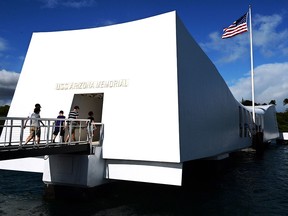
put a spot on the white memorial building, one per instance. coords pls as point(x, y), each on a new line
point(161, 99)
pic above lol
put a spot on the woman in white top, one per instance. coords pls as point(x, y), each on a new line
point(34, 126)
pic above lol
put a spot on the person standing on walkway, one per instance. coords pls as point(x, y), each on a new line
point(72, 124)
point(37, 105)
point(59, 126)
point(34, 125)
point(90, 127)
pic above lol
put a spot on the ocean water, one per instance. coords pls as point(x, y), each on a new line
point(248, 183)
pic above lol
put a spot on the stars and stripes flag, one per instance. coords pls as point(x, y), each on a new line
point(239, 26)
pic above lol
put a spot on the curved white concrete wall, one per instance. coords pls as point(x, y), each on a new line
point(208, 112)
point(266, 117)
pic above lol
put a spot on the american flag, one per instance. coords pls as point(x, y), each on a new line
point(239, 26)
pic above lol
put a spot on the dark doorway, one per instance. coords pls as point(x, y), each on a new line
point(89, 102)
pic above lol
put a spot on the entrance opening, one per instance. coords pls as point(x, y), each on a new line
point(89, 102)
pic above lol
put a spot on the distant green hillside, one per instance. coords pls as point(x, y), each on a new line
point(3, 113)
point(282, 119)
point(4, 110)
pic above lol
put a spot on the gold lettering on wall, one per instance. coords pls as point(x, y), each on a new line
point(92, 84)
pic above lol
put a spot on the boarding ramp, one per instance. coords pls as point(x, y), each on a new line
point(14, 135)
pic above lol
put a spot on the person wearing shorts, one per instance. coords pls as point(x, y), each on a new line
point(34, 126)
point(72, 115)
point(59, 126)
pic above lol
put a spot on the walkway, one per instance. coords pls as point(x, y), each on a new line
point(13, 137)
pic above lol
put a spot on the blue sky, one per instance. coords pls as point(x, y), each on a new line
point(204, 19)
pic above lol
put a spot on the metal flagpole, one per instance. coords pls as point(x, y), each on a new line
point(252, 67)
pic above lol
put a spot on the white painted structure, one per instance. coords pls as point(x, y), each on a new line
point(284, 135)
point(161, 99)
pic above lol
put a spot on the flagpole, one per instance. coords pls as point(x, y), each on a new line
point(252, 67)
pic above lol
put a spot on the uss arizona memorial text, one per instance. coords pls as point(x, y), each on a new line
point(92, 85)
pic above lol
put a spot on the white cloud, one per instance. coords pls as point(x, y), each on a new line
point(68, 3)
point(269, 42)
point(228, 50)
point(8, 84)
point(3, 44)
point(78, 4)
point(270, 82)
point(268, 38)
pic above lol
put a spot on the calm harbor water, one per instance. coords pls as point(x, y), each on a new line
point(250, 184)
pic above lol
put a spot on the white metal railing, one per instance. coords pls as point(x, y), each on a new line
point(14, 132)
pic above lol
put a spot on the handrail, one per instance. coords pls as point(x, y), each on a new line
point(14, 132)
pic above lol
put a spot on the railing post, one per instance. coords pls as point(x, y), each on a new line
point(60, 139)
point(10, 135)
point(79, 131)
point(101, 138)
point(48, 130)
point(5, 137)
point(70, 132)
point(21, 132)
